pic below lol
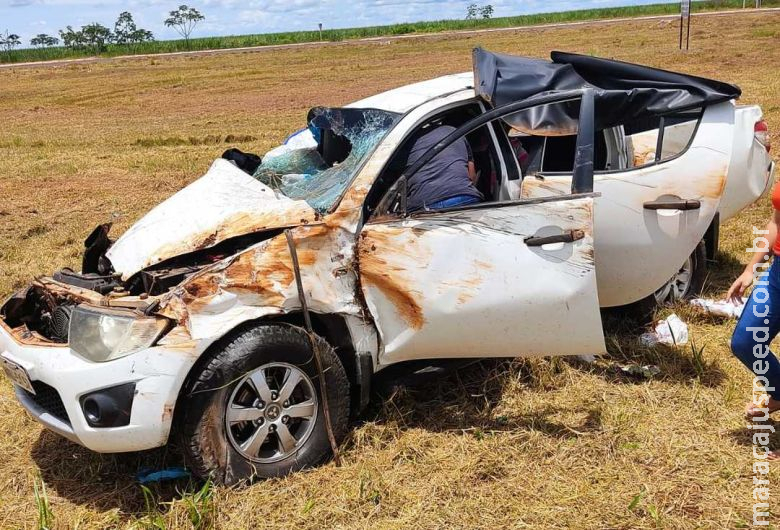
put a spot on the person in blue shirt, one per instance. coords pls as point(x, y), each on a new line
point(445, 181)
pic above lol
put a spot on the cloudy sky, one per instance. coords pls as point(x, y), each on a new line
point(234, 17)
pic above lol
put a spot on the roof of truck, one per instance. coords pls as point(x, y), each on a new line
point(405, 98)
point(622, 91)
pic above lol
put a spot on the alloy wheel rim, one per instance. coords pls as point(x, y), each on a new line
point(271, 412)
point(678, 285)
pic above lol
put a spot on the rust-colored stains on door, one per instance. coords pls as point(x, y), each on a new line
point(385, 271)
point(470, 285)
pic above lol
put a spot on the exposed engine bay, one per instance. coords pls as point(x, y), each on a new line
point(41, 312)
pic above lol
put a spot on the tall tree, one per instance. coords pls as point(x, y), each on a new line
point(486, 11)
point(124, 27)
point(9, 41)
point(184, 20)
point(471, 12)
point(96, 36)
point(42, 40)
point(126, 32)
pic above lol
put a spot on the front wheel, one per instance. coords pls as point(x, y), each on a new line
point(256, 408)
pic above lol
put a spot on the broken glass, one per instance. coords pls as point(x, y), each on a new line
point(320, 175)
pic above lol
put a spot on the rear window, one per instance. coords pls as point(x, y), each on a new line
point(659, 138)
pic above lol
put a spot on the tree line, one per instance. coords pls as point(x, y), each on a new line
point(96, 37)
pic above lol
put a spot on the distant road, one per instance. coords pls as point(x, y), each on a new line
point(270, 47)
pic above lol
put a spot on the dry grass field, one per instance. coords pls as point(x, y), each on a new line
point(521, 444)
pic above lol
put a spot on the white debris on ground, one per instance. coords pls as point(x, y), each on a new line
point(721, 308)
point(671, 331)
point(647, 371)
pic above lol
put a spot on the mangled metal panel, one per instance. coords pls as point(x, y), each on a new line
point(224, 203)
point(260, 281)
point(464, 284)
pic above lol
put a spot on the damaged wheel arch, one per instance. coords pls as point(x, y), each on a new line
point(332, 328)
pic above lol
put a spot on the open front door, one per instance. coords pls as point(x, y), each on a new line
point(497, 279)
point(503, 280)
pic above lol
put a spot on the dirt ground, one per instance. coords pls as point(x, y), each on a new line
point(521, 444)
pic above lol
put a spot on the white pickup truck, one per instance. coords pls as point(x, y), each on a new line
point(249, 312)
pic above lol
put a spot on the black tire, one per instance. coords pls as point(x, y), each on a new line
point(698, 272)
point(207, 446)
point(641, 312)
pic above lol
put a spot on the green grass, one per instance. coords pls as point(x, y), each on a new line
point(337, 35)
point(197, 502)
point(45, 515)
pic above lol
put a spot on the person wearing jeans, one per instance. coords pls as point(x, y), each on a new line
point(458, 200)
point(760, 320)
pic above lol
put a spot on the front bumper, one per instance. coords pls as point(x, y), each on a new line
point(61, 378)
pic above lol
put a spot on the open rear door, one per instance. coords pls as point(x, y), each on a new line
point(650, 218)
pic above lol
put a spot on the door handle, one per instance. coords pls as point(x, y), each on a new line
point(566, 237)
point(680, 204)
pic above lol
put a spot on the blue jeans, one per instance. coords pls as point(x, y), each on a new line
point(457, 200)
point(757, 327)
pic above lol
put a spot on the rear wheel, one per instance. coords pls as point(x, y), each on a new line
point(256, 408)
point(686, 283)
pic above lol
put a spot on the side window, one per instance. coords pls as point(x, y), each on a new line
point(541, 137)
point(659, 138)
point(544, 140)
point(385, 196)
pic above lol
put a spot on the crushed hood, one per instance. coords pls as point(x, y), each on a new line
point(224, 203)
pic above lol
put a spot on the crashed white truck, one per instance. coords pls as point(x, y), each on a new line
point(225, 313)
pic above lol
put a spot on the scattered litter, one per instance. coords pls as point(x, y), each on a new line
point(671, 331)
point(146, 476)
point(721, 308)
point(647, 371)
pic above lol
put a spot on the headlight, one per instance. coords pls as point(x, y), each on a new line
point(103, 335)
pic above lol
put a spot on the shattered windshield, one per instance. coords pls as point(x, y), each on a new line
point(318, 163)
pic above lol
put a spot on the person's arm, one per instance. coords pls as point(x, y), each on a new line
point(746, 278)
point(470, 166)
point(472, 172)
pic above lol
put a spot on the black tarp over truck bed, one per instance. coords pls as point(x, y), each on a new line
point(622, 91)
